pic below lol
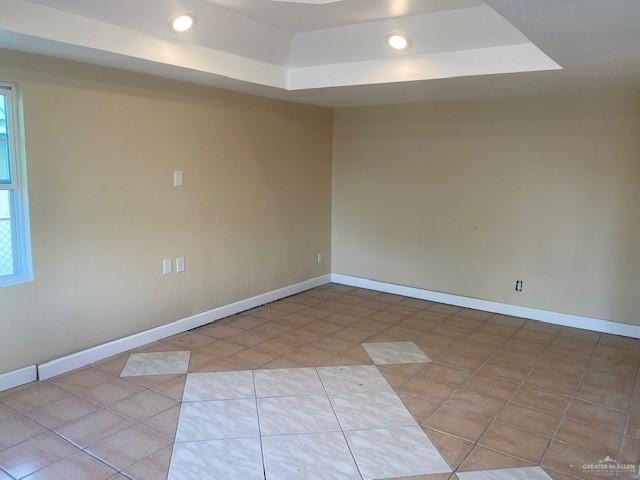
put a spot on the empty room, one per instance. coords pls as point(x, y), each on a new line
point(319, 239)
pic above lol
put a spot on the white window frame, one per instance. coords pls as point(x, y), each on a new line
point(23, 270)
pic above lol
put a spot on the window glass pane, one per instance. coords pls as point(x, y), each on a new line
point(5, 175)
point(6, 235)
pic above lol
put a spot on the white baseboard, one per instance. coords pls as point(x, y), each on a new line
point(18, 377)
point(567, 320)
point(100, 352)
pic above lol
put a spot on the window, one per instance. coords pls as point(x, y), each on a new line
point(15, 248)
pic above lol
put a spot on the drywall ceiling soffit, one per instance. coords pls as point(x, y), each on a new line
point(279, 46)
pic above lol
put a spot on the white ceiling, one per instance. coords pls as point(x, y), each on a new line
point(298, 17)
point(335, 53)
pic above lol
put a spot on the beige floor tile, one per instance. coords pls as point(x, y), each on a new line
point(597, 415)
point(111, 391)
point(142, 405)
point(563, 383)
point(474, 402)
point(309, 356)
point(536, 421)
point(506, 321)
point(172, 389)
point(536, 326)
point(554, 361)
point(541, 400)
point(490, 387)
point(277, 346)
point(249, 338)
point(127, 447)
point(63, 411)
point(282, 362)
point(504, 371)
point(534, 336)
point(218, 330)
point(420, 408)
point(397, 375)
point(333, 343)
point(445, 373)
point(201, 358)
point(427, 388)
point(34, 454)
point(630, 452)
point(153, 467)
point(453, 449)
point(112, 365)
point(81, 380)
point(480, 350)
point(604, 396)
point(78, 466)
point(559, 476)
point(589, 437)
point(482, 458)
point(462, 424)
point(634, 426)
point(573, 345)
point(490, 328)
point(32, 396)
point(444, 309)
point(16, 429)
point(94, 427)
point(164, 423)
point(450, 331)
point(217, 366)
point(249, 322)
point(569, 459)
point(389, 318)
point(6, 412)
point(579, 334)
point(486, 338)
point(520, 358)
point(514, 441)
point(150, 381)
point(192, 341)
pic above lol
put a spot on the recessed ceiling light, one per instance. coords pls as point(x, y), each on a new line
point(398, 42)
point(182, 23)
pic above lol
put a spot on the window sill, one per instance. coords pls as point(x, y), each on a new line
point(10, 280)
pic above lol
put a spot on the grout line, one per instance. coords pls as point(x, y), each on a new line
point(107, 408)
point(66, 440)
point(255, 396)
point(636, 387)
point(344, 435)
point(2, 470)
point(571, 400)
point(506, 402)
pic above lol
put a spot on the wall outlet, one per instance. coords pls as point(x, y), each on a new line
point(167, 266)
point(319, 258)
point(177, 178)
point(519, 285)
point(180, 265)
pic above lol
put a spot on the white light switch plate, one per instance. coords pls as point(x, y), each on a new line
point(167, 266)
point(179, 264)
point(177, 178)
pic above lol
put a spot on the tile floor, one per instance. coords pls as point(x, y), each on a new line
point(339, 383)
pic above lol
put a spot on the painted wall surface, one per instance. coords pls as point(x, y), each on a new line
point(467, 197)
point(102, 145)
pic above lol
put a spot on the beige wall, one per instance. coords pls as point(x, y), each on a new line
point(102, 145)
point(466, 197)
point(461, 197)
